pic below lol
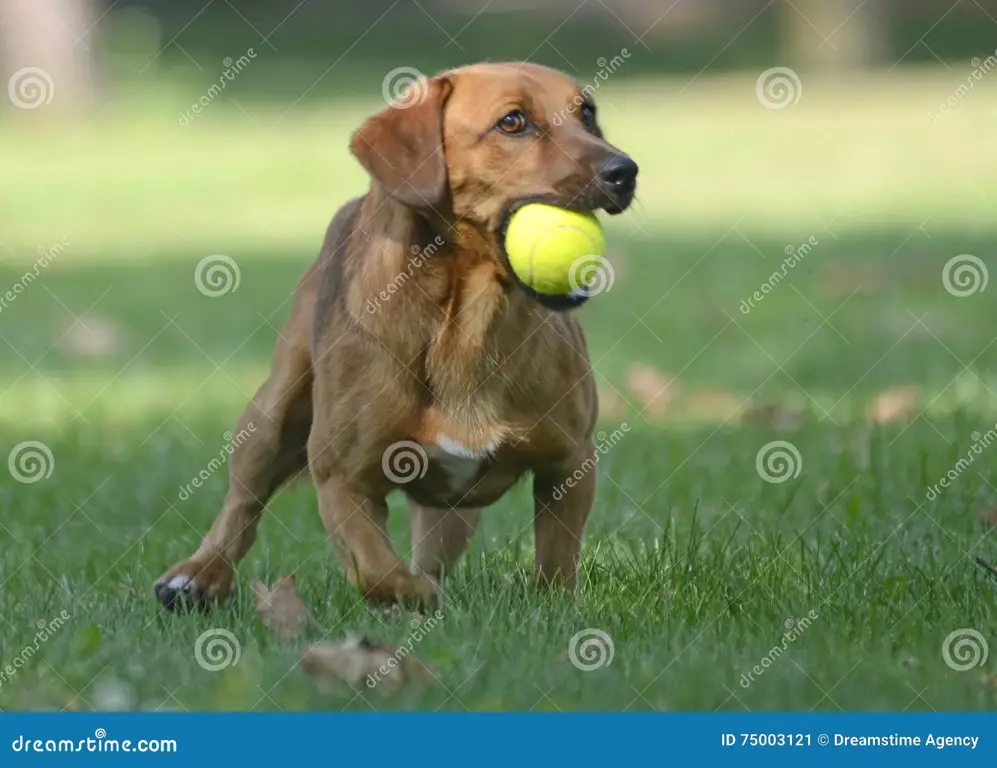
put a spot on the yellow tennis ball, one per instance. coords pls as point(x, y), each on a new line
point(554, 251)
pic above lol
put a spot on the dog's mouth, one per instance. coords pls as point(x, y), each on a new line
point(582, 204)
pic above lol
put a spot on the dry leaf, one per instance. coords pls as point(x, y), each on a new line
point(357, 660)
point(896, 404)
point(281, 609)
point(989, 515)
point(653, 389)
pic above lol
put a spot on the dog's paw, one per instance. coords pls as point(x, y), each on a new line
point(195, 584)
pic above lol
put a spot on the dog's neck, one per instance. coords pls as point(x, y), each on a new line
point(440, 301)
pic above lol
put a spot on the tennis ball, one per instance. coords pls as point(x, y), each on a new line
point(553, 250)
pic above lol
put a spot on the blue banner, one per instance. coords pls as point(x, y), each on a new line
point(497, 739)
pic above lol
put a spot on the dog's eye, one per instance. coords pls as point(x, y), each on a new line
point(588, 117)
point(514, 122)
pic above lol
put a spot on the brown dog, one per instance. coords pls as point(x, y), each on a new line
point(457, 384)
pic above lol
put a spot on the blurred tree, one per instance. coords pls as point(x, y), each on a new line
point(46, 51)
point(835, 34)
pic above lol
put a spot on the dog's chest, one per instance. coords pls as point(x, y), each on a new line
point(460, 464)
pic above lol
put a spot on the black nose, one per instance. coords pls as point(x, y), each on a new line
point(619, 174)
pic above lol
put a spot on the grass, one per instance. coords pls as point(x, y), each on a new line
point(693, 563)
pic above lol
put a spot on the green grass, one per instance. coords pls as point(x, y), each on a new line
point(693, 563)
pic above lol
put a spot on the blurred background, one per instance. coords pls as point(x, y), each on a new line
point(140, 138)
point(808, 257)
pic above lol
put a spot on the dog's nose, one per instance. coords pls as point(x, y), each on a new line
point(619, 174)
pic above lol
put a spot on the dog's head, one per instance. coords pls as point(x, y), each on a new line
point(473, 144)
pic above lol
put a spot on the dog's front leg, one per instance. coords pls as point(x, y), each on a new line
point(562, 499)
point(357, 526)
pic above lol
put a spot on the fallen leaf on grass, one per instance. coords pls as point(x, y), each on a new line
point(989, 515)
point(281, 609)
point(358, 660)
point(896, 404)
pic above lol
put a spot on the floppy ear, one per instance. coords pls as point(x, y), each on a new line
point(402, 146)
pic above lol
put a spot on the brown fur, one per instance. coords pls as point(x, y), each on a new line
point(460, 349)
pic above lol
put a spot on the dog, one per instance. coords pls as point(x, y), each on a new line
point(462, 373)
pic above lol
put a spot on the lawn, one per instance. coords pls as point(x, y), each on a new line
point(840, 582)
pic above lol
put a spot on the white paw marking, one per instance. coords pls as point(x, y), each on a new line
point(179, 583)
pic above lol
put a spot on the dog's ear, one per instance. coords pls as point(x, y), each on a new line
point(402, 146)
